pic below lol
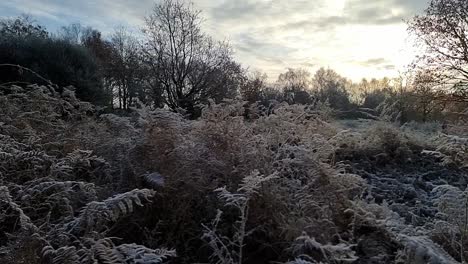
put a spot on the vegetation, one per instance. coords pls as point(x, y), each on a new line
point(442, 32)
point(59, 61)
point(164, 149)
point(176, 65)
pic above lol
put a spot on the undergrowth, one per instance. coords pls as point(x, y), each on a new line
point(238, 185)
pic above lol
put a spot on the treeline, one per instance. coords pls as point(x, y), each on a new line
point(174, 64)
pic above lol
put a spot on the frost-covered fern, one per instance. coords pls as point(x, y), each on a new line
point(105, 251)
point(230, 250)
point(96, 215)
point(73, 182)
point(54, 195)
point(12, 215)
point(306, 249)
point(454, 148)
point(451, 224)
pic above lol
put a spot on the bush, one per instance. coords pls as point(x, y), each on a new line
point(59, 61)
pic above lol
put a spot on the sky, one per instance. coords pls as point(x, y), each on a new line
point(357, 38)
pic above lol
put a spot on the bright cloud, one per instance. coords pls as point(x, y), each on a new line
point(358, 38)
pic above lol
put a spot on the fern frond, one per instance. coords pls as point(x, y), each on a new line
point(300, 261)
point(251, 184)
point(7, 204)
point(104, 251)
point(133, 253)
point(96, 215)
point(62, 255)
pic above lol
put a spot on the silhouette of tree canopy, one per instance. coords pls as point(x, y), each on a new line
point(331, 87)
point(103, 53)
point(125, 68)
point(76, 33)
point(22, 26)
point(443, 31)
point(295, 84)
point(253, 88)
point(426, 99)
point(63, 63)
point(189, 65)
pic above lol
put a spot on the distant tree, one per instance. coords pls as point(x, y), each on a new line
point(253, 88)
point(183, 59)
point(103, 53)
point(154, 90)
point(72, 33)
point(22, 26)
point(24, 42)
point(371, 93)
point(125, 68)
point(330, 87)
point(399, 103)
point(295, 84)
point(76, 33)
point(58, 61)
point(374, 98)
point(443, 31)
point(271, 94)
point(225, 81)
point(427, 101)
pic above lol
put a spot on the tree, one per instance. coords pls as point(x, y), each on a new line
point(375, 97)
point(125, 67)
point(427, 101)
point(27, 44)
point(225, 81)
point(254, 86)
point(399, 103)
point(22, 26)
point(56, 60)
point(331, 87)
point(76, 33)
point(103, 52)
point(370, 93)
point(183, 59)
point(443, 31)
point(121, 67)
point(71, 33)
point(295, 84)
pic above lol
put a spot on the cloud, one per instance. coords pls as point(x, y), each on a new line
point(261, 10)
point(378, 63)
point(308, 65)
point(333, 33)
point(103, 14)
point(315, 14)
point(389, 67)
point(266, 34)
point(374, 62)
point(382, 11)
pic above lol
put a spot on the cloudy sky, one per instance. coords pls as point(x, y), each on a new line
point(357, 38)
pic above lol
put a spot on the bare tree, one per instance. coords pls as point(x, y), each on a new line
point(103, 51)
point(125, 67)
point(331, 87)
point(183, 59)
point(369, 93)
point(427, 97)
point(443, 32)
point(71, 33)
point(253, 87)
point(295, 84)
